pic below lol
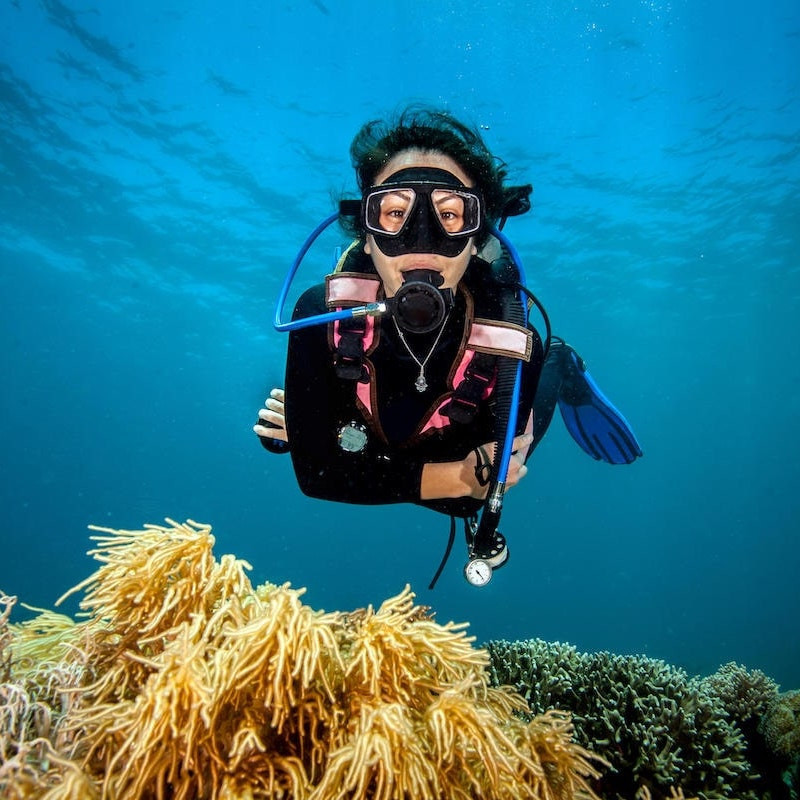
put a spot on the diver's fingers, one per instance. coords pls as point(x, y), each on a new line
point(275, 405)
point(529, 425)
point(515, 475)
point(516, 464)
point(274, 417)
point(271, 433)
point(521, 443)
point(516, 472)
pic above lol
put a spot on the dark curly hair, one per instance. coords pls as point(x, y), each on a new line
point(432, 130)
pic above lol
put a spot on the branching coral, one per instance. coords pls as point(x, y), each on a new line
point(648, 720)
point(781, 724)
point(746, 697)
point(195, 684)
point(780, 727)
point(744, 694)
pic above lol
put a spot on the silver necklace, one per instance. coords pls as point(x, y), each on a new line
point(420, 382)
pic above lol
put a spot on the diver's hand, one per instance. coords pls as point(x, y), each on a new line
point(272, 418)
point(479, 463)
point(461, 478)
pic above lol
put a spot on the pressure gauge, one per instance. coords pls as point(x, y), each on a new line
point(478, 572)
point(352, 438)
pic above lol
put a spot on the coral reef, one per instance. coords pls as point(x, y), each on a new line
point(184, 681)
point(780, 727)
point(743, 694)
point(781, 723)
point(654, 726)
point(751, 699)
point(36, 692)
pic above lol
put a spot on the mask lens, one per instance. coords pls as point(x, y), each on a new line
point(457, 212)
point(388, 210)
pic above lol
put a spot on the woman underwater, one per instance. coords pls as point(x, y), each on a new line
point(414, 404)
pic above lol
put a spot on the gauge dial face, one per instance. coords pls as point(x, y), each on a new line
point(478, 572)
point(352, 437)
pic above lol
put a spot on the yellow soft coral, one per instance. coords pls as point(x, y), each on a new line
point(195, 684)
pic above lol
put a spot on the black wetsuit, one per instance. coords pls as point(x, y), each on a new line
point(388, 469)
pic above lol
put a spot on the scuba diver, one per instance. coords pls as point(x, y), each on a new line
point(413, 374)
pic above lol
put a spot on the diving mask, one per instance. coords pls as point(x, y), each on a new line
point(422, 210)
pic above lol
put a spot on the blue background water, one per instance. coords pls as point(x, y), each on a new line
point(163, 161)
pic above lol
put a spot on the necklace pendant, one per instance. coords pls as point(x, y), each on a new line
point(420, 382)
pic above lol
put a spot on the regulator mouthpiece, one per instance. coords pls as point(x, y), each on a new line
point(419, 305)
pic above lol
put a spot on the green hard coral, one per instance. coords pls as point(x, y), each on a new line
point(744, 694)
point(780, 727)
point(655, 726)
point(781, 724)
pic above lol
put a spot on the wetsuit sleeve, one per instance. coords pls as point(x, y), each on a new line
point(318, 404)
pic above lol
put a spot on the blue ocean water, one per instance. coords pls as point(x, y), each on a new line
point(163, 161)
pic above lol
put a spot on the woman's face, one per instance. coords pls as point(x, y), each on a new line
point(391, 268)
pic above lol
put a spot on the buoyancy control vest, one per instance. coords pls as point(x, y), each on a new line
point(489, 335)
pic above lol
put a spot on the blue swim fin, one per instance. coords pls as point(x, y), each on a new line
point(591, 418)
